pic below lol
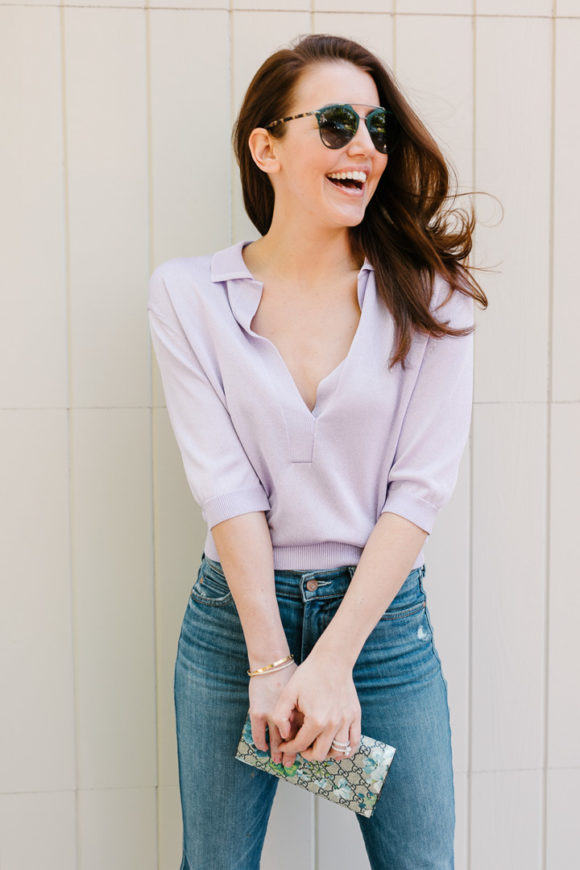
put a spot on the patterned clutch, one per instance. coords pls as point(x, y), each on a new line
point(355, 782)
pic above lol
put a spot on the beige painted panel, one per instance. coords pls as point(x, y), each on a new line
point(509, 586)
point(179, 537)
point(38, 831)
point(189, 4)
point(113, 577)
point(280, 5)
point(33, 350)
point(339, 841)
point(105, 4)
point(566, 315)
point(293, 811)
point(562, 832)
point(170, 827)
point(506, 820)
point(375, 32)
point(108, 205)
point(563, 658)
point(37, 722)
point(353, 8)
point(439, 83)
point(190, 133)
point(117, 829)
point(568, 7)
point(447, 585)
point(513, 163)
point(442, 7)
point(256, 35)
point(514, 7)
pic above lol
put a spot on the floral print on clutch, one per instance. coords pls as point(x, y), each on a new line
point(355, 782)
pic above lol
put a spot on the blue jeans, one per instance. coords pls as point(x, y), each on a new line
point(403, 696)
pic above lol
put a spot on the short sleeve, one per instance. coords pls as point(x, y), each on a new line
point(437, 421)
point(219, 473)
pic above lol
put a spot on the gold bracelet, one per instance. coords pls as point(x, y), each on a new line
point(275, 665)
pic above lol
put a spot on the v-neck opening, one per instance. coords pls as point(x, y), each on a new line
point(314, 413)
point(245, 306)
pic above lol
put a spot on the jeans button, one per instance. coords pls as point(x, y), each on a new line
point(312, 585)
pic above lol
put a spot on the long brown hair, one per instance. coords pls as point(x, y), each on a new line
point(408, 234)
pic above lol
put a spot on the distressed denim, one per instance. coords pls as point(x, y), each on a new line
point(403, 696)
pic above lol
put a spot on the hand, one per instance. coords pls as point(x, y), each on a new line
point(323, 693)
point(264, 692)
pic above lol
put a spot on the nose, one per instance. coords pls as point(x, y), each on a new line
point(361, 142)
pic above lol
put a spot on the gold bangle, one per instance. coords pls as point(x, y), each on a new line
point(284, 662)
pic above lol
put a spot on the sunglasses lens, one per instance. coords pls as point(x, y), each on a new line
point(338, 125)
point(377, 126)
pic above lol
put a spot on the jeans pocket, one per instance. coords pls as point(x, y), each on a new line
point(404, 612)
point(410, 599)
point(211, 586)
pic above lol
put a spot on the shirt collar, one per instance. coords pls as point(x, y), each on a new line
point(228, 264)
point(244, 291)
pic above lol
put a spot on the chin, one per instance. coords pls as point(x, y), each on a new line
point(353, 221)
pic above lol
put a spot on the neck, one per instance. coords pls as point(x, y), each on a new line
point(304, 257)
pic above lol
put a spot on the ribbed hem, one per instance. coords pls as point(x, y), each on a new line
point(310, 557)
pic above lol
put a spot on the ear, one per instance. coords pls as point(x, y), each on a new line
point(264, 152)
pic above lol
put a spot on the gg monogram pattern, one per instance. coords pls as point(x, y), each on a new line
point(354, 783)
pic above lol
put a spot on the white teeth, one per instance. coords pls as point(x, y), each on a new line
point(354, 176)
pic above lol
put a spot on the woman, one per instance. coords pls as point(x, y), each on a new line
point(319, 384)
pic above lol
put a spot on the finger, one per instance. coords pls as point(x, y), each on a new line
point(355, 735)
point(320, 747)
point(275, 741)
point(259, 732)
point(343, 743)
point(283, 713)
point(305, 736)
point(288, 759)
point(296, 720)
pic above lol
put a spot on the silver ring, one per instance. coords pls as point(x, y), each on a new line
point(341, 747)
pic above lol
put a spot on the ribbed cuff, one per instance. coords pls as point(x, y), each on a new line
point(412, 507)
point(233, 504)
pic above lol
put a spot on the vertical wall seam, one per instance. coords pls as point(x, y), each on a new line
point(231, 58)
point(394, 64)
point(549, 397)
point(152, 476)
point(315, 841)
point(469, 737)
point(314, 817)
point(68, 357)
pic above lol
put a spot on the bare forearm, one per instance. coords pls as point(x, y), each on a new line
point(244, 547)
point(384, 565)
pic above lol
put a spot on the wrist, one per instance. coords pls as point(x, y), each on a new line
point(327, 652)
point(261, 657)
point(272, 667)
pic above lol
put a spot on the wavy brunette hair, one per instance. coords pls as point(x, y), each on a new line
point(408, 233)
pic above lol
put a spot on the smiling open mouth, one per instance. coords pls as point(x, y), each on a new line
point(354, 180)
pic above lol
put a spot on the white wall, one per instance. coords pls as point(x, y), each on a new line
point(114, 156)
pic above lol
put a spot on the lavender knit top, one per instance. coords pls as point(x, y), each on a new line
point(376, 441)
